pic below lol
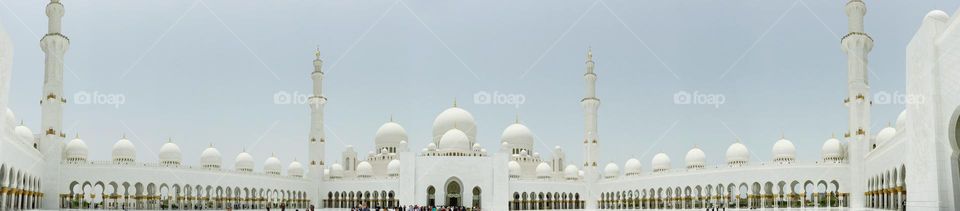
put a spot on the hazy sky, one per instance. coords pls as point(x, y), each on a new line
point(203, 72)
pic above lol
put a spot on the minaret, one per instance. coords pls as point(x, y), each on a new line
point(54, 45)
point(590, 104)
point(857, 44)
point(317, 137)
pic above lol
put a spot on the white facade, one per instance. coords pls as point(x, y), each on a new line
point(862, 169)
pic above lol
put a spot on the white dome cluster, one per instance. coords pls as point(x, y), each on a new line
point(455, 118)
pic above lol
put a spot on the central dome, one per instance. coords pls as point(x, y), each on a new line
point(454, 118)
point(390, 134)
point(454, 140)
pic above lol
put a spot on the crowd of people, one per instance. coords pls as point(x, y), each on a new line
point(363, 207)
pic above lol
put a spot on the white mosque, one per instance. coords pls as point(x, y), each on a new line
point(859, 170)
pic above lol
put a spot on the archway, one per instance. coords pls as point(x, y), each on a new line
point(431, 197)
point(476, 197)
point(454, 191)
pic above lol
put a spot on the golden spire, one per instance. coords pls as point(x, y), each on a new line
point(589, 53)
point(454, 102)
point(517, 118)
point(317, 52)
point(391, 117)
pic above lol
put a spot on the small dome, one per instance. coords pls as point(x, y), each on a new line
point(244, 162)
point(476, 147)
point(124, 151)
point(832, 150)
point(210, 158)
point(611, 171)
point(696, 158)
point(24, 134)
point(524, 152)
point(390, 134)
point(364, 169)
point(393, 168)
point(455, 140)
point(518, 135)
point(661, 162)
point(885, 135)
point(571, 172)
point(77, 150)
point(336, 171)
point(170, 154)
point(514, 168)
point(737, 154)
point(272, 165)
point(432, 147)
point(384, 151)
point(543, 170)
point(295, 169)
point(784, 151)
point(632, 167)
point(454, 118)
point(902, 121)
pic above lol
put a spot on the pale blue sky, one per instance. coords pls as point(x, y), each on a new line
point(206, 72)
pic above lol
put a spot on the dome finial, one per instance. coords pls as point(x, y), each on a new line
point(123, 135)
point(589, 53)
point(76, 134)
point(391, 117)
point(833, 135)
point(454, 102)
point(517, 118)
point(21, 122)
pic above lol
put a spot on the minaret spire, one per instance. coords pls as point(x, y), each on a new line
point(857, 45)
point(317, 140)
point(54, 45)
point(590, 104)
